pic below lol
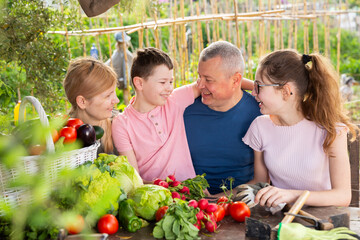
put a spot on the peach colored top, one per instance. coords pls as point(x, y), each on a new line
point(158, 137)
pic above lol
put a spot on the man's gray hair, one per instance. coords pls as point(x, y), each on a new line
point(232, 59)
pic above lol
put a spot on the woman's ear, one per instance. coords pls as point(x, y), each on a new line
point(138, 83)
point(287, 91)
point(81, 102)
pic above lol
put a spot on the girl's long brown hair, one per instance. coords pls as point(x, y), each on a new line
point(89, 77)
point(317, 85)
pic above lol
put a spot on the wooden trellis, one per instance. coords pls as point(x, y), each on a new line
point(243, 24)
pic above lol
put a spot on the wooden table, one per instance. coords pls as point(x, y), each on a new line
point(229, 229)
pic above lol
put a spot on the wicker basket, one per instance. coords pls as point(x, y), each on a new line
point(71, 159)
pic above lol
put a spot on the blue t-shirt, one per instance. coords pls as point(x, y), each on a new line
point(215, 141)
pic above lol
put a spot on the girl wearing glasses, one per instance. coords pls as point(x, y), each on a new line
point(300, 143)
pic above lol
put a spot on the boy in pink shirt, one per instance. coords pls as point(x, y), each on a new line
point(150, 131)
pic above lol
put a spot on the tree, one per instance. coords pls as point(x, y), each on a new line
point(25, 48)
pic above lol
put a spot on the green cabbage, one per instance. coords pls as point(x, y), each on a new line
point(149, 198)
point(121, 169)
point(99, 192)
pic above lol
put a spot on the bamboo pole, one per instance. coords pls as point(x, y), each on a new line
point(261, 33)
point(126, 91)
point(82, 37)
point(66, 31)
point(228, 23)
point(98, 43)
point(179, 21)
point(268, 30)
point(174, 28)
point(207, 24)
point(194, 38)
point(291, 27)
point(157, 43)
point(236, 24)
point(109, 40)
point(315, 31)
point(306, 31)
point(183, 45)
point(295, 27)
point(201, 42)
point(338, 36)
point(326, 34)
point(249, 44)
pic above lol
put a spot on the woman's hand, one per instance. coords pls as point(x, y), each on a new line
point(273, 196)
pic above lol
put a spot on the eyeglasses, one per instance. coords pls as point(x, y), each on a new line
point(257, 86)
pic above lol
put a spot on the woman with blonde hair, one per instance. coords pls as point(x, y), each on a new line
point(300, 143)
point(90, 88)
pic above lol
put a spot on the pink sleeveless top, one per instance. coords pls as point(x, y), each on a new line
point(293, 155)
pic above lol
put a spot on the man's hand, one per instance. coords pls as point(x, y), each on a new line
point(247, 192)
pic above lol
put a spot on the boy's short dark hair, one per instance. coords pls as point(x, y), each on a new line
point(146, 60)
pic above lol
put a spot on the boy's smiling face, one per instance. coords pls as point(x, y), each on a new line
point(158, 86)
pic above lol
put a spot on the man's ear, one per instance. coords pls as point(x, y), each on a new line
point(138, 82)
point(81, 102)
point(236, 78)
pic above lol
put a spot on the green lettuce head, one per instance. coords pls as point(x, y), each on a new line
point(121, 169)
point(149, 198)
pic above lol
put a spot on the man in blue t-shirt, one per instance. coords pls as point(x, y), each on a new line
point(218, 120)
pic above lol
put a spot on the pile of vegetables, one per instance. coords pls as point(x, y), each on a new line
point(192, 188)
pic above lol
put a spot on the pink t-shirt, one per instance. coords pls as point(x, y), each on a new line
point(293, 155)
point(158, 137)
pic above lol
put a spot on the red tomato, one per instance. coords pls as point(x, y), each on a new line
point(161, 212)
point(75, 226)
point(74, 122)
point(239, 210)
point(226, 206)
point(219, 213)
point(55, 135)
point(108, 224)
point(222, 199)
point(69, 133)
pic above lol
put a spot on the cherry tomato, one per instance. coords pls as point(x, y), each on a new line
point(108, 224)
point(74, 122)
point(55, 135)
point(219, 213)
point(75, 226)
point(69, 133)
point(239, 210)
point(161, 212)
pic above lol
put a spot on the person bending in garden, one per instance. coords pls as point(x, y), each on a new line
point(90, 88)
point(216, 122)
point(300, 143)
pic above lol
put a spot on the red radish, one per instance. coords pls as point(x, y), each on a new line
point(212, 207)
point(172, 177)
point(211, 226)
point(193, 203)
point(175, 195)
point(203, 203)
point(185, 190)
point(183, 197)
point(164, 184)
point(157, 181)
point(200, 215)
point(198, 224)
point(175, 183)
